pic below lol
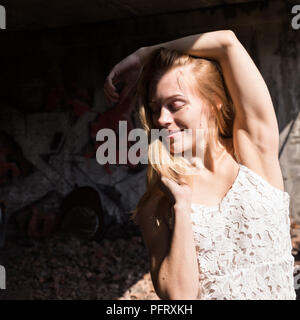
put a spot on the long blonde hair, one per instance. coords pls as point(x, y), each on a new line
point(208, 82)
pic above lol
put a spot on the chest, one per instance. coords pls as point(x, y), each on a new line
point(211, 191)
point(244, 229)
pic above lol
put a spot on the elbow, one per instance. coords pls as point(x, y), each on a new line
point(228, 38)
point(178, 294)
point(175, 287)
point(183, 296)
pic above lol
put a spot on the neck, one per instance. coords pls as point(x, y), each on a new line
point(209, 157)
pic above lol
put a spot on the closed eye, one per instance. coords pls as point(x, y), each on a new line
point(177, 105)
point(173, 107)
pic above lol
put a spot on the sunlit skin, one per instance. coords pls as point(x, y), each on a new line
point(254, 144)
point(175, 106)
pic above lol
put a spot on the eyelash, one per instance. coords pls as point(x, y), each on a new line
point(176, 107)
point(171, 107)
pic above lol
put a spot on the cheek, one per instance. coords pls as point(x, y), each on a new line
point(190, 117)
point(185, 116)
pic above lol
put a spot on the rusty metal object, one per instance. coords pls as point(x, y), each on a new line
point(82, 214)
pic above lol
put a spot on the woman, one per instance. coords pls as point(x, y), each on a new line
point(221, 232)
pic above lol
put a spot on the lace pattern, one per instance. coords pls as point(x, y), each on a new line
point(243, 244)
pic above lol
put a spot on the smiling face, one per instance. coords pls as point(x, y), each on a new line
point(175, 106)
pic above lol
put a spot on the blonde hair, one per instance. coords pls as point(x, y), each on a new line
point(206, 79)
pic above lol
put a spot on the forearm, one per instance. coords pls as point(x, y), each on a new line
point(209, 45)
point(178, 275)
point(238, 70)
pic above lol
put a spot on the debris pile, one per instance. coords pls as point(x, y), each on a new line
point(57, 268)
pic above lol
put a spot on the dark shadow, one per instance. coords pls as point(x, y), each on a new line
point(69, 268)
point(40, 65)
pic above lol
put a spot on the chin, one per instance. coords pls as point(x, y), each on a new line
point(179, 147)
point(180, 152)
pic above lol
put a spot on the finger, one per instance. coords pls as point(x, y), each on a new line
point(107, 99)
point(182, 180)
point(110, 97)
point(111, 92)
point(164, 179)
point(173, 185)
point(168, 182)
point(111, 79)
point(164, 182)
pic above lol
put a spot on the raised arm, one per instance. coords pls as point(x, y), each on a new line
point(255, 132)
point(255, 136)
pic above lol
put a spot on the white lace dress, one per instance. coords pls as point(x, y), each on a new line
point(243, 244)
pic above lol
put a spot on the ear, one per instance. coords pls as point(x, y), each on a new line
point(218, 102)
point(219, 106)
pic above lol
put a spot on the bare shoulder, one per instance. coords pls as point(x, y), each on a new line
point(152, 219)
point(155, 207)
point(155, 232)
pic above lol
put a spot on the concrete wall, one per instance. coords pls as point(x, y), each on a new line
point(51, 91)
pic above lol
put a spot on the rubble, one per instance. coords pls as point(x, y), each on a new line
point(115, 268)
point(59, 268)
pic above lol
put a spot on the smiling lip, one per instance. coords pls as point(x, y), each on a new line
point(172, 133)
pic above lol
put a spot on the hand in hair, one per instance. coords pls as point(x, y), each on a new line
point(128, 72)
point(180, 194)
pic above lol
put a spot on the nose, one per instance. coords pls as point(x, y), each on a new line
point(165, 117)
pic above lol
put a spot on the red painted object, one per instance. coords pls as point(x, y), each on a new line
point(43, 224)
point(75, 98)
point(110, 120)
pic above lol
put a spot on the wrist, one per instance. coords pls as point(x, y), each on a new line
point(181, 207)
point(144, 52)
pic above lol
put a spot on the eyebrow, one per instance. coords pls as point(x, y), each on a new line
point(165, 99)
